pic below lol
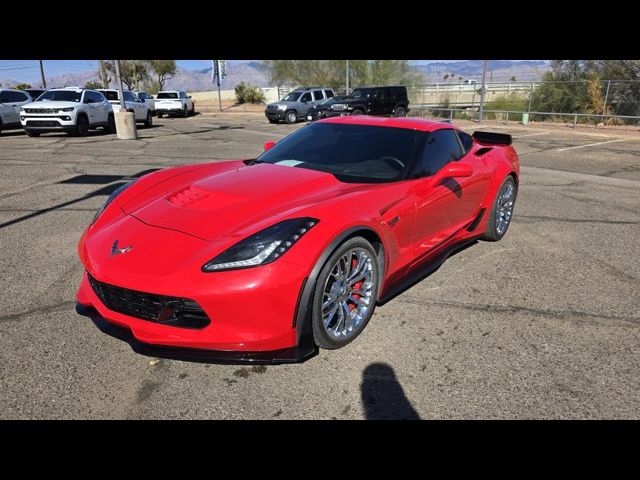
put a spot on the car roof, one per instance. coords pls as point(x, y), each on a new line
point(395, 122)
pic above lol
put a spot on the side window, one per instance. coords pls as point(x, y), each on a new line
point(466, 140)
point(390, 92)
point(88, 98)
point(317, 95)
point(129, 97)
point(306, 97)
point(20, 97)
point(3, 97)
point(378, 93)
point(329, 93)
point(441, 147)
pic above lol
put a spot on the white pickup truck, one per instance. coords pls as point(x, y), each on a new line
point(174, 102)
point(132, 103)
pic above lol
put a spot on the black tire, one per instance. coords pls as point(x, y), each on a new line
point(321, 337)
point(400, 112)
point(491, 233)
point(358, 111)
point(272, 121)
point(193, 110)
point(291, 117)
point(82, 126)
point(185, 112)
point(160, 115)
point(33, 133)
point(148, 123)
point(0, 126)
point(111, 124)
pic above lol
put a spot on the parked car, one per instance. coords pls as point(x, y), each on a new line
point(174, 102)
point(470, 81)
point(148, 100)
point(390, 101)
point(35, 92)
point(323, 110)
point(71, 109)
point(296, 104)
point(10, 103)
point(133, 104)
point(266, 260)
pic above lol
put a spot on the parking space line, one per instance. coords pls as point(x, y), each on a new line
point(590, 145)
point(529, 135)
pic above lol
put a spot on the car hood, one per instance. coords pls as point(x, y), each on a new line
point(231, 199)
point(53, 104)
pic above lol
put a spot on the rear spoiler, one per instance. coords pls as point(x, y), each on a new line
point(492, 138)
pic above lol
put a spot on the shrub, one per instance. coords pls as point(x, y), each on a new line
point(247, 93)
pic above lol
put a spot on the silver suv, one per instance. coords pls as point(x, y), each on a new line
point(296, 104)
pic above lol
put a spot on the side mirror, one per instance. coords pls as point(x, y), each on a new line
point(269, 145)
point(189, 96)
point(452, 170)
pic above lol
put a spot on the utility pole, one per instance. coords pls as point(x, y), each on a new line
point(103, 74)
point(119, 86)
point(484, 87)
point(44, 81)
point(347, 77)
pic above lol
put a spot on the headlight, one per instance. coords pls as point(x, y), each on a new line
point(115, 193)
point(70, 109)
point(339, 106)
point(263, 247)
point(281, 107)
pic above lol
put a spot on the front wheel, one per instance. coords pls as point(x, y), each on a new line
point(160, 115)
point(82, 126)
point(345, 294)
point(149, 120)
point(502, 210)
point(291, 117)
point(357, 111)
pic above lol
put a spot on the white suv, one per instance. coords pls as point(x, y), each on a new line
point(10, 103)
point(72, 109)
point(132, 103)
point(174, 102)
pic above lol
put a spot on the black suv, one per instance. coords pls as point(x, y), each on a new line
point(366, 101)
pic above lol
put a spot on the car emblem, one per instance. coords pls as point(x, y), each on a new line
point(118, 251)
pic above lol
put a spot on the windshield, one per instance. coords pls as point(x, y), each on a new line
point(110, 94)
point(60, 96)
point(360, 93)
point(167, 95)
point(353, 153)
point(292, 97)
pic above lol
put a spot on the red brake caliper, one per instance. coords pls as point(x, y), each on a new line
point(356, 286)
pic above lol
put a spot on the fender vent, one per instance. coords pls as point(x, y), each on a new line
point(483, 150)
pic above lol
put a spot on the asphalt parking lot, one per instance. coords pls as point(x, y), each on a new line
point(544, 324)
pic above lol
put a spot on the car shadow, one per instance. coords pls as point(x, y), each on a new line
point(382, 395)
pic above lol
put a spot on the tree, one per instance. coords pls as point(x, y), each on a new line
point(446, 77)
point(162, 70)
point(22, 86)
point(331, 73)
point(93, 84)
point(512, 79)
point(132, 72)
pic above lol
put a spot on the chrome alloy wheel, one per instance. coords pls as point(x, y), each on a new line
point(348, 294)
point(506, 198)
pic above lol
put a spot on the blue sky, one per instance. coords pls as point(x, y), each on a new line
point(29, 70)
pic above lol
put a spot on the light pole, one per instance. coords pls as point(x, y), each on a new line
point(44, 80)
point(125, 121)
point(347, 77)
point(484, 87)
point(119, 85)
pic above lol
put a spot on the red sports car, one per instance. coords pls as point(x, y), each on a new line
point(265, 260)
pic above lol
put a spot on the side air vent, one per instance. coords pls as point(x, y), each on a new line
point(483, 150)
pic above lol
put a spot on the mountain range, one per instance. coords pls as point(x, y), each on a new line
point(255, 73)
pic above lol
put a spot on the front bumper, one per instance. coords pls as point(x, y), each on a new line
point(52, 123)
point(271, 357)
point(320, 114)
point(274, 115)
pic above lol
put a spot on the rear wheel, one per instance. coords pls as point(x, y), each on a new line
point(82, 126)
point(400, 112)
point(345, 294)
point(291, 116)
point(502, 210)
point(160, 115)
point(149, 120)
point(185, 112)
point(193, 109)
point(111, 124)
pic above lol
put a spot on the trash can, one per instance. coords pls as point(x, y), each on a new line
point(525, 118)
